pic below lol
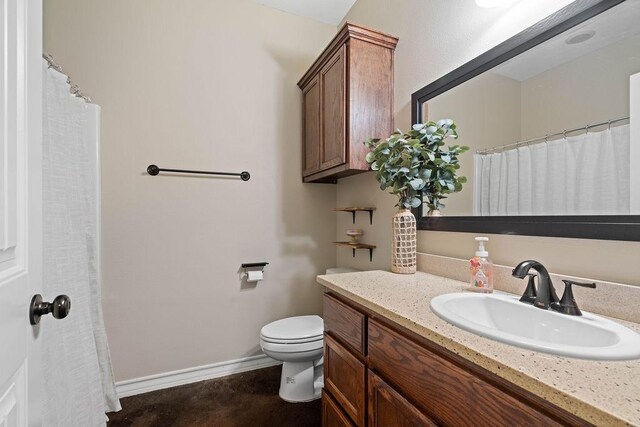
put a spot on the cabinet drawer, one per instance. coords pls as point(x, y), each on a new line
point(388, 408)
point(344, 323)
point(332, 415)
point(449, 394)
point(344, 379)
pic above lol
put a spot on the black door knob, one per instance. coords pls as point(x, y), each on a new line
point(60, 308)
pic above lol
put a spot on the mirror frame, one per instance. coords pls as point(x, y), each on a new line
point(603, 227)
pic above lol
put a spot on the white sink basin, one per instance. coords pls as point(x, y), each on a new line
point(503, 318)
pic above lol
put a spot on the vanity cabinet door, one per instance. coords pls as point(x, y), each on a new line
point(388, 408)
point(333, 104)
point(332, 415)
point(449, 394)
point(344, 379)
point(312, 120)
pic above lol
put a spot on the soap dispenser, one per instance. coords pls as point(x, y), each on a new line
point(481, 269)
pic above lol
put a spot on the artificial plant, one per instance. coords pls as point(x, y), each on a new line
point(418, 160)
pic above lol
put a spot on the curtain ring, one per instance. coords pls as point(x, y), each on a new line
point(586, 128)
point(564, 133)
point(609, 124)
point(546, 138)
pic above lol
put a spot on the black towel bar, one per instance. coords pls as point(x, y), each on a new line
point(155, 170)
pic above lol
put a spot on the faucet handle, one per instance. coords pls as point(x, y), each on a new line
point(567, 304)
point(568, 283)
point(530, 293)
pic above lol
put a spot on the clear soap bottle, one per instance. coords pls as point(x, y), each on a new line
point(481, 269)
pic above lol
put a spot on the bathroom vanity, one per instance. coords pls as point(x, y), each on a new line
point(390, 361)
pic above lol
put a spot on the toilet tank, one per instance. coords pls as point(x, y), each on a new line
point(338, 270)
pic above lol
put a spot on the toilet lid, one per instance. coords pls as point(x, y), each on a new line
point(294, 328)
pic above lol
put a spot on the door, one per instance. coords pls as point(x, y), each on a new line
point(333, 104)
point(20, 209)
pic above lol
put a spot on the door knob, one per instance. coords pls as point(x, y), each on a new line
point(60, 308)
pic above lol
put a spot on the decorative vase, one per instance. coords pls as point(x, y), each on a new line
point(403, 245)
point(434, 212)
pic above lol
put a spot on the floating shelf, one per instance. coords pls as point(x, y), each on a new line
point(353, 211)
point(355, 246)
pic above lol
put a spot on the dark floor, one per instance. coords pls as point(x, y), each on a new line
point(248, 399)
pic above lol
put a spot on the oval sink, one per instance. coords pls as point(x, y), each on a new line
point(504, 318)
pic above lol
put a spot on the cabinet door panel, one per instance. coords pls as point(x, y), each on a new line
point(332, 415)
point(388, 408)
point(447, 393)
point(344, 378)
point(370, 98)
point(311, 123)
point(333, 104)
point(345, 323)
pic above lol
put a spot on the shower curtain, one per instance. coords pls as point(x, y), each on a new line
point(78, 380)
point(586, 174)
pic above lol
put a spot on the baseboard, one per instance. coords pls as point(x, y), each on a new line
point(192, 375)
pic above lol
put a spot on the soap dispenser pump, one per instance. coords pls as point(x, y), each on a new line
point(481, 269)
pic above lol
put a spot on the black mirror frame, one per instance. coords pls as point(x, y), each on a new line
point(603, 227)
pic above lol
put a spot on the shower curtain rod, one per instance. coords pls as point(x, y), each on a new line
point(547, 137)
point(75, 90)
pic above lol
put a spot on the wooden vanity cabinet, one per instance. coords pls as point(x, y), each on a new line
point(347, 97)
point(402, 379)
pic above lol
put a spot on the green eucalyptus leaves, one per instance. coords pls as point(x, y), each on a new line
point(414, 161)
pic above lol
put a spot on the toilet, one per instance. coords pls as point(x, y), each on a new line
point(298, 342)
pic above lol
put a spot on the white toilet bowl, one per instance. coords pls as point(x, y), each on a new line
point(298, 343)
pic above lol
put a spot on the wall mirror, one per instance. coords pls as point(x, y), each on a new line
point(552, 117)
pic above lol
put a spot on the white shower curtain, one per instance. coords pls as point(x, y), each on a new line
point(78, 380)
point(587, 174)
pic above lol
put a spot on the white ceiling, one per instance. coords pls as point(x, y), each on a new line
point(328, 11)
point(610, 27)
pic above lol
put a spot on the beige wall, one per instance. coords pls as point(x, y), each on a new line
point(591, 89)
point(487, 113)
point(435, 38)
point(206, 85)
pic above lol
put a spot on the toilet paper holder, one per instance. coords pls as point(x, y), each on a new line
point(253, 266)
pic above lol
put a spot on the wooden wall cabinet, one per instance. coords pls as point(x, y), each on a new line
point(378, 374)
point(347, 97)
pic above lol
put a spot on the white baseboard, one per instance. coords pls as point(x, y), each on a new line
point(192, 375)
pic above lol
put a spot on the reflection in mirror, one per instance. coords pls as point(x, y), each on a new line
point(549, 130)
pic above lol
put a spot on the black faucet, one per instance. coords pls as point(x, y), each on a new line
point(546, 295)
